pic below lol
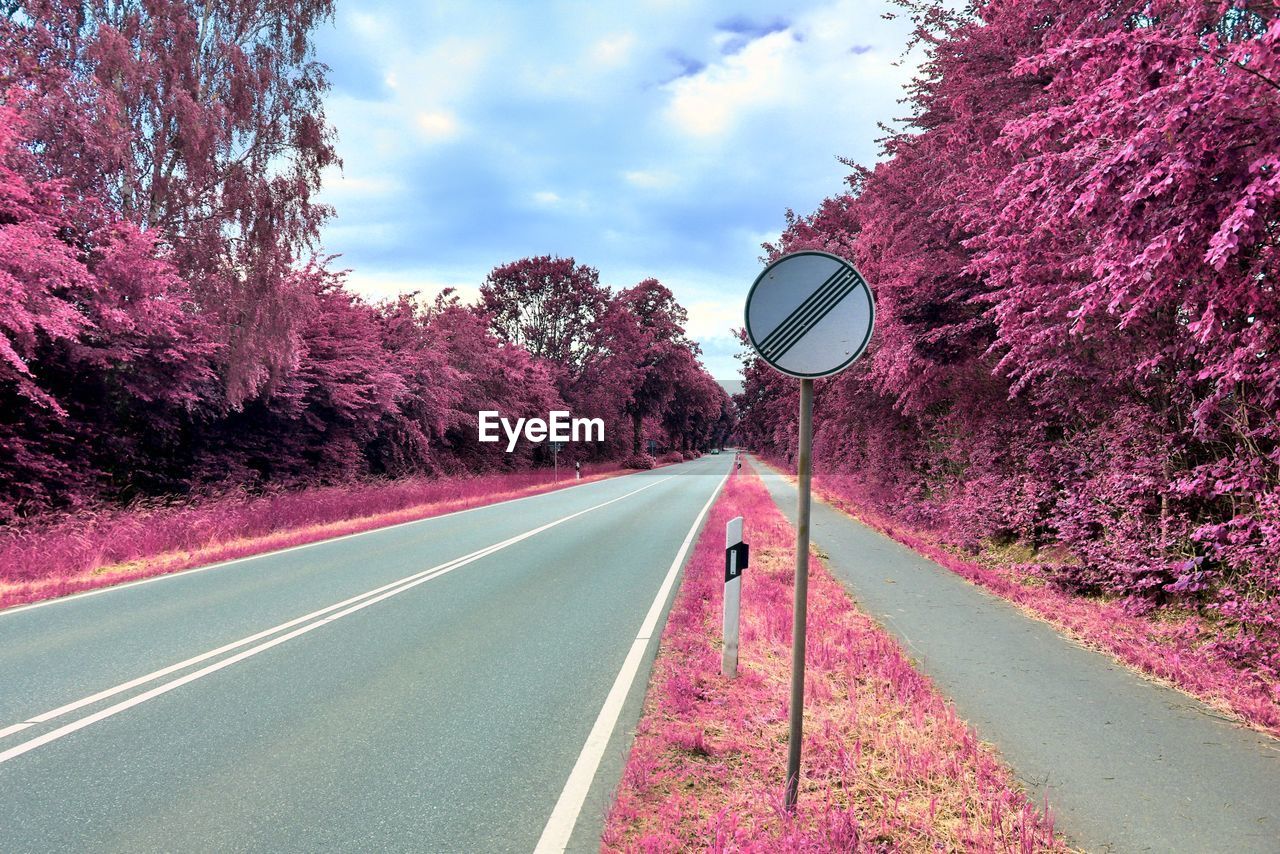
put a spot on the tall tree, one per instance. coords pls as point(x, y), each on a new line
point(200, 121)
point(546, 305)
point(665, 354)
point(101, 356)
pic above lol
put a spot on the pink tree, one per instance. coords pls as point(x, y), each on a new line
point(202, 122)
point(665, 356)
point(546, 305)
point(1073, 250)
point(101, 358)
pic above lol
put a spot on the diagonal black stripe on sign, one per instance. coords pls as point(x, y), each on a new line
point(802, 324)
point(794, 318)
point(814, 322)
point(810, 318)
point(802, 320)
point(798, 313)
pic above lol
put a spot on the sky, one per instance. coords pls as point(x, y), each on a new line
point(662, 138)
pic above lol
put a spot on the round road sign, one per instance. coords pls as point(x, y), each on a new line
point(810, 314)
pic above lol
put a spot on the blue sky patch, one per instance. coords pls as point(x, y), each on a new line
point(659, 139)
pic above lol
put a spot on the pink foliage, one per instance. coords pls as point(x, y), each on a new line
point(1074, 255)
point(165, 329)
point(887, 765)
point(110, 386)
point(204, 125)
point(106, 546)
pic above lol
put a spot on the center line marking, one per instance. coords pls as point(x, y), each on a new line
point(364, 600)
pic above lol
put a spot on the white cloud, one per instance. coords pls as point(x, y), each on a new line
point(368, 26)
point(452, 67)
point(714, 318)
point(649, 179)
point(575, 145)
point(708, 103)
point(388, 284)
point(613, 51)
point(367, 232)
point(438, 125)
point(339, 186)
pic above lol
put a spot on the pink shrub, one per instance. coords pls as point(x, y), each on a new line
point(641, 462)
point(1187, 652)
point(110, 545)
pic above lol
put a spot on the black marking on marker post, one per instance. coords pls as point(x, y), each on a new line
point(735, 560)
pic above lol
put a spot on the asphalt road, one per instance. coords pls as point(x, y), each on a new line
point(485, 691)
point(1126, 765)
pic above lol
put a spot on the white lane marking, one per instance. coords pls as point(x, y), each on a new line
point(559, 827)
point(385, 592)
point(213, 653)
point(224, 563)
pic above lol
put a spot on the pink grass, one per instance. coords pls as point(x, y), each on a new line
point(110, 546)
point(888, 766)
point(1174, 652)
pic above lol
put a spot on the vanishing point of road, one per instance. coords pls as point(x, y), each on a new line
point(462, 683)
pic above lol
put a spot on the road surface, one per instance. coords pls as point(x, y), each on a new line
point(463, 683)
point(1125, 764)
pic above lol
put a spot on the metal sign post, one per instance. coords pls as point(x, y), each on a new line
point(809, 314)
point(555, 460)
point(800, 607)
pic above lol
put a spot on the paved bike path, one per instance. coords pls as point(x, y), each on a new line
point(1124, 763)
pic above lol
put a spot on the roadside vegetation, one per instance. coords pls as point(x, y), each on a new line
point(171, 332)
point(1178, 646)
point(1073, 391)
point(887, 764)
point(83, 551)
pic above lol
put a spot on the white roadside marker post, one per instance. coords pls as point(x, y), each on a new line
point(809, 315)
point(735, 560)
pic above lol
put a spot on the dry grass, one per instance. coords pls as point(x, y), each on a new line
point(87, 551)
point(887, 764)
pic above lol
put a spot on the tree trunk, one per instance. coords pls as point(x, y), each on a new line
point(636, 430)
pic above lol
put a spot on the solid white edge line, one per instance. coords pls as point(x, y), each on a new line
point(564, 817)
point(17, 609)
point(386, 591)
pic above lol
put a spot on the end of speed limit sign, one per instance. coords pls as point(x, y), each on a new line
point(810, 314)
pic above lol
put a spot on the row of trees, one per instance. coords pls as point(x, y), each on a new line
point(1075, 252)
point(165, 324)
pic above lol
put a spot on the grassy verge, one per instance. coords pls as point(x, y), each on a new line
point(88, 550)
point(1174, 649)
point(888, 766)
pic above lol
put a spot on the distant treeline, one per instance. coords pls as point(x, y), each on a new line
point(166, 329)
point(1074, 249)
